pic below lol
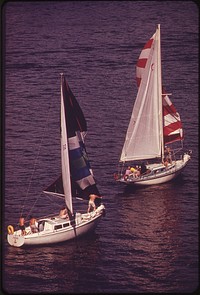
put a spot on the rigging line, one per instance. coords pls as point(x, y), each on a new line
point(55, 195)
point(55, 203)
point(29, 213)
point(36, 159)
point(49, 215)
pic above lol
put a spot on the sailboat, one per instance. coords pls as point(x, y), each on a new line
point(153, 149)
point(76, 179)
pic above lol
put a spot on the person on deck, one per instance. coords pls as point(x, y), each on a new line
point(168, 154)
point(144, 169)
point(33, 225)
point(63, 213)
point(128, 171)
point(165, 162)
point(91, 204)
point(21, 225)
point(133, 172)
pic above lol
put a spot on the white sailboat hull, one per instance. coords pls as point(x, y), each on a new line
point(58, 230)
point(159, 173)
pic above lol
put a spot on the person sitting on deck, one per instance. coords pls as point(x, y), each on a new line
point(128, 171)
point(21, 225)
point(133, 172)
point(33, 225)
point(144, 169)
point(63, 213)
point(138, 172)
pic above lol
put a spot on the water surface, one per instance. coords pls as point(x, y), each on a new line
point(148, 240)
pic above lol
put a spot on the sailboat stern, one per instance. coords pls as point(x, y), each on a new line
point(15, 239)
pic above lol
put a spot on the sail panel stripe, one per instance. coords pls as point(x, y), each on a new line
point(73, 143)
point(172, 111)
point(142, 63)
point(76, 153)
point(86, 182)
point(80, 173)
point(144, 54)
point(172, 122)
point(172, 138)
point(78, 163)
point(169, 119)
point(173, 127)
point(169, 108)
point(80, 167)
point(142, 60)
point(149, 42)
point(138, 80)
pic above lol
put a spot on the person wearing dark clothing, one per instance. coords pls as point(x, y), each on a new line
point(143, 168)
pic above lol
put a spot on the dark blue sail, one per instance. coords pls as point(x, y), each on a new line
point(82, 179)
point(73, 113)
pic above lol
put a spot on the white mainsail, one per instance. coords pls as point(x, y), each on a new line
point(65, 156)
point(144, 137)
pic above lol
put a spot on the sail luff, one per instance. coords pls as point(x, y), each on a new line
point(159, 83)
point(65, 152)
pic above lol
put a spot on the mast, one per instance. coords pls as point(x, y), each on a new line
point(65, 152)
point(160, 93)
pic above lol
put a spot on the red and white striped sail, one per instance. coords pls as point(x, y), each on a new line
point(142, 60)
point(154, 121)
point(172, 123)
point(173, 130)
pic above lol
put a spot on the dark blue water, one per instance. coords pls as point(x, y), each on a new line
point(148, 240)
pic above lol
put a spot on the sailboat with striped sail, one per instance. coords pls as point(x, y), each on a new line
point(76, 179)
point(150, 150)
